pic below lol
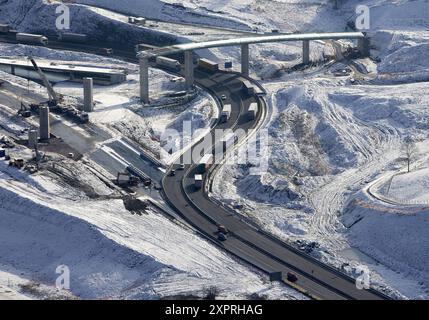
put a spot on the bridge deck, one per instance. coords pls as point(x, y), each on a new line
point(252, 40)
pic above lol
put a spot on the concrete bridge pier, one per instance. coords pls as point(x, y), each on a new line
point(245, 59)
point(88, 94)
point(144, 80)
point(306, 52)
point(189, 69)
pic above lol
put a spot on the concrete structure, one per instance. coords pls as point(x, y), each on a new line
point(245, 59)
point(44, 127)
point(189, 69)
point(144, 80)
point(189, 48)
point(306, 52)
point(33, 136)
point(58, 73)
point(88, 95)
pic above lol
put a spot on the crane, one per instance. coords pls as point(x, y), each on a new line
point(54, 98)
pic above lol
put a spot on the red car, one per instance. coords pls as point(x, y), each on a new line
point(222, 229)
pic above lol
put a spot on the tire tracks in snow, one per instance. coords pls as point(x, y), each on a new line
point(330, 200)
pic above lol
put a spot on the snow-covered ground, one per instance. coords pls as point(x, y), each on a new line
point(335, 138)
point(61, 219)
point(111, 253)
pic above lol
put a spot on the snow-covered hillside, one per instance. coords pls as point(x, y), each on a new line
point(336, 137)
point(110, 252)
point(332, 135)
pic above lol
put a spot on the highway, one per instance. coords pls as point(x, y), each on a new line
point(244, 241)
point(253, 246)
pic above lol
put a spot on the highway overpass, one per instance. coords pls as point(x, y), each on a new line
point(244, 42)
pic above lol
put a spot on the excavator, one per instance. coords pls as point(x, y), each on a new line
point(54, 98)
point(56, 101)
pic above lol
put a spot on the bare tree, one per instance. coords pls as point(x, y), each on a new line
point(409, 150)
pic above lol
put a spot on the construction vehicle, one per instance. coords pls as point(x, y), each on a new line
point(17, 163)
point(24, 111)
point(54, 99)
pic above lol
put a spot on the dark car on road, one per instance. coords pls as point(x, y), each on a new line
point(221, 236)
point(172, 173)
point(291, 277)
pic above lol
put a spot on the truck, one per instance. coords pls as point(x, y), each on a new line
point(73, 37)
point(4, 28)
point(225, 114)
point(198, 181)
point(252, 111)
point(137, 20)
point(144, 47)
point(248, 88)
point(32, 38)
point(168, 63)
point(208, 65)
point(205, 163)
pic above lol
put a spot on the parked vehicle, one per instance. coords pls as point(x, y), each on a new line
point(4, 28)
point(208, 65)
point(32, 39)
point(137, 20)
point(172, 173)
point(144, 47)
point(73, 37)
point(181, 166)
point(223, 97)
point(168, 63)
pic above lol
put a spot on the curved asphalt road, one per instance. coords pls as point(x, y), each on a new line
point(245, 242)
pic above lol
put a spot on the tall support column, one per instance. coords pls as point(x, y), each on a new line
point(245, 59)
point(88, 95)
point(306, 52)
point(44, 125)
point(144, 80)
point(189, 69)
